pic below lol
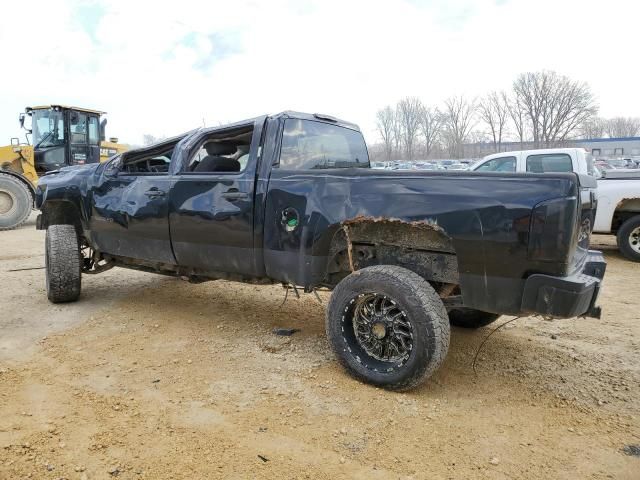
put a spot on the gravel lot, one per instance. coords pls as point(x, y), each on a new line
point(148, 377)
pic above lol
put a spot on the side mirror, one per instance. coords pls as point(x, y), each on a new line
point(21, 119)
point(103, 126)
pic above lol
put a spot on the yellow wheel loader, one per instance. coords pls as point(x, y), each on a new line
point(61, 136)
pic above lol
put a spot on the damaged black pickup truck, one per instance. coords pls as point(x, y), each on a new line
point(291, 199)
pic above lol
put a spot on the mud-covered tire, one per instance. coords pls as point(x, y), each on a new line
point(423, 310)
point(16, 202)
point(62, 264)
point(628, 238)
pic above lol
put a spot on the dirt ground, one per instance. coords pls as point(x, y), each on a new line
point(148, 377)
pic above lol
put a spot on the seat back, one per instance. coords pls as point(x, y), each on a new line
point(212, 163)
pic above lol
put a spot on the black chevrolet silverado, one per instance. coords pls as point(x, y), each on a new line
point(291, 199)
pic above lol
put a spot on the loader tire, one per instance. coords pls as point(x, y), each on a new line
point(63, 266)
point(16, 202)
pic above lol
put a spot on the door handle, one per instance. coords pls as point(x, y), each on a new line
point(234, 195)
point(154, 193)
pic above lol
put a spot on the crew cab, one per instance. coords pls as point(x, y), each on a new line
point(291, 199)
point(618, 192)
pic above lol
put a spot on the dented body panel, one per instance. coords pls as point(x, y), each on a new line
point(481, 218)
point(478, 236)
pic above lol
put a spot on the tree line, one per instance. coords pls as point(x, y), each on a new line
point(542, 109)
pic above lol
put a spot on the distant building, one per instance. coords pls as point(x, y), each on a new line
point(627, 147)
point(600, 148)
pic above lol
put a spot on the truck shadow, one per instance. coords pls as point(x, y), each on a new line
point(245, 316)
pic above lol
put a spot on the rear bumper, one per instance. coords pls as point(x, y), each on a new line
point(566, 297)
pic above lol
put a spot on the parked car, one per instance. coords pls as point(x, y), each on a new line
point(457, 166)
point(602, 165)
point(379, 165)
point(291, 199)
point(618, 193)
point(425, 166)
point(401, 165)
point(619, 163)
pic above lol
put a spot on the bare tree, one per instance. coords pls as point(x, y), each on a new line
point(474, 146)
point(623, 127)
point(409, 110)
point(460, 119)
point(493, 111)
point(518, 117)
point(555, 105)
point(385, 122)
point(595, 127)
point(398, 134)
point(376, 152)
point(431, 122)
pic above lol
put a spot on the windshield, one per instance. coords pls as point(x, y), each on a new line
point(48, 128)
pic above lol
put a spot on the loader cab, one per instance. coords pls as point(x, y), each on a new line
point(64, 136)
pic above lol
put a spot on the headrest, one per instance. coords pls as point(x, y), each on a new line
point(214, 148)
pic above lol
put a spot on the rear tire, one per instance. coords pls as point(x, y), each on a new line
point(63, 267)
point(470, 318)
point(16, 202)
point(629, 238)
point(388, 327)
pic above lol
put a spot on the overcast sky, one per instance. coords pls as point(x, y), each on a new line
point(165, 67)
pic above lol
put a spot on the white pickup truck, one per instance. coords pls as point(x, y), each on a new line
point(618, 211)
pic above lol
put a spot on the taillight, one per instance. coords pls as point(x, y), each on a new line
point(551, 229)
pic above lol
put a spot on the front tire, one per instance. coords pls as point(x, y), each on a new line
point(628, 238)
point(470, 318)
point(16, 202)
point(63, 267)
point(388, 327)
